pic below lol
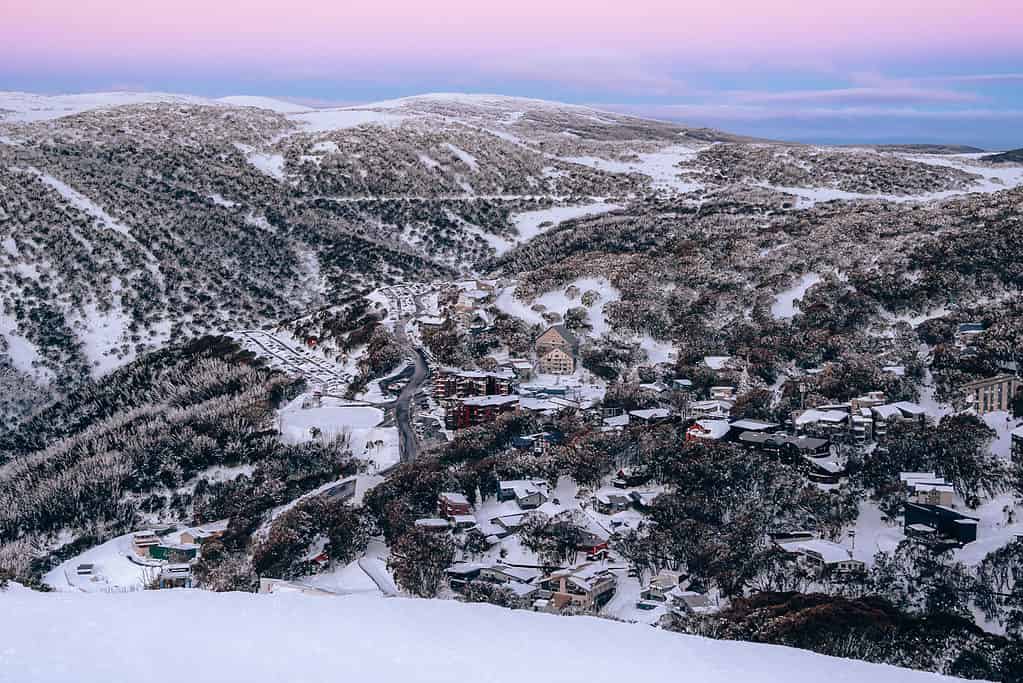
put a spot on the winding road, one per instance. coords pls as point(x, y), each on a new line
point(408, 444)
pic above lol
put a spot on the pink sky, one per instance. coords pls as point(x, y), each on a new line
point(920, 69)
point(279, 31)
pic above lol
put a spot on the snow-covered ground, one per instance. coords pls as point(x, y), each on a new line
point(661, 166)
point(993, 179)
point(269, 163)
point(279, 106)
point(113, 570)
point(784, 305)
point(558, 302)
point(531, 223)
point(323, 120)
point(28, 107)
point(295, 637)
point(873, 535)
point(23, 353)
point(369, 441)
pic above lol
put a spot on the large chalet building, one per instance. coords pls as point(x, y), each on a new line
point(555, 351)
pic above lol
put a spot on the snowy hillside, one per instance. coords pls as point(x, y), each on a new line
point(290, 637)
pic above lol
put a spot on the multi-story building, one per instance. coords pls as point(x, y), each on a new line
point(993, 394)
point(555, 351)
point(452, 504)
point(585, 586)
point(477, 410)
point(450, 383)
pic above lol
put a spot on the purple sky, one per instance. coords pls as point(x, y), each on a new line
point(872, 70)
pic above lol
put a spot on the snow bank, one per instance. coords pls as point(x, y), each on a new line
point(294, 637)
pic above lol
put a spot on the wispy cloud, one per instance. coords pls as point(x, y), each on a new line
point(859, 95)
point(760, 113)
point(974, 78)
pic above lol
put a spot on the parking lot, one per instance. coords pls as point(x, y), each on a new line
point(320, 373)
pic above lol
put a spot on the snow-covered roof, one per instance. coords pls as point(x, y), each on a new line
point(897, 370)
point(523, 487)
point(537, 405)
point(898, 409)
point(176, 570)
point(490, 400)
point(925, 486)
point(829, 552)
point(609, 497)
point(454, 498)
point(650, 413)
point(432, 523)
point(477, 374)
point(907, 477)
point(644, 498)
point(1017, 432)
point(887, 411)
point(910, 408)
point(828, 463)
point(813, 415)
point(753, 425)
point(617, 421)
point(713, 404)
point(522, 574)
point(710, 429)
point(463, 568)
point(716, 362)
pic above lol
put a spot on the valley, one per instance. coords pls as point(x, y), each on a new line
point(507, 351)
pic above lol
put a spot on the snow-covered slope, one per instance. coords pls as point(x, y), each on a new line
point(200, 636)
point(264, 103)
point(27, 107)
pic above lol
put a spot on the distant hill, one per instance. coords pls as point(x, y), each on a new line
point(1011, 157)
point(926, 149)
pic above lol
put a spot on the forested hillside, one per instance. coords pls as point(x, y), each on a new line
point(183, 433)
